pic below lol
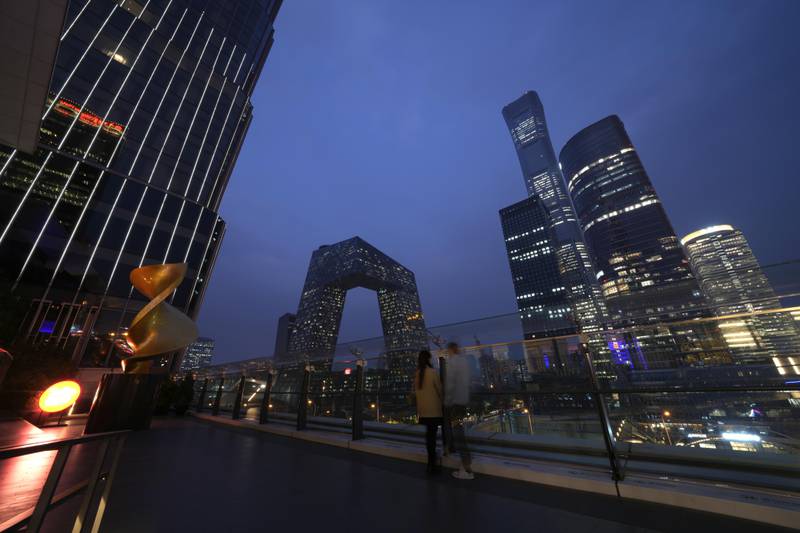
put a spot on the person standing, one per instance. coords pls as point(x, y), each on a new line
point(428, 392)
point(456, 400)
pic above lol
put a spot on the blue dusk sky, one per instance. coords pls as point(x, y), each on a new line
point(382, 119)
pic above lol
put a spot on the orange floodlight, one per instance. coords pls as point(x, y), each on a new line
point(59, 396)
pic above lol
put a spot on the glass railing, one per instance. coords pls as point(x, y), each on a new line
point(713, 394)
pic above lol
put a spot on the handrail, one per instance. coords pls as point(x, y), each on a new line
point(97, 485)
point(646, 390)
point(8, 452)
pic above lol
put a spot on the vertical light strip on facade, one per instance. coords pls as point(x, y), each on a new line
point(55, 99)
point(116, 146)
point(163, 97)
point(152, 173)
point(5, 165)
point(183, 147)
point(221, 131)
point(63, 35)
point(91, 143)
point(25, 197)
point(230, 144)
point(199, 153)
point(213, 114)
point(78, 63)
point(136, 107)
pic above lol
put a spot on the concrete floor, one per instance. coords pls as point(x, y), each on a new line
point(185, 475)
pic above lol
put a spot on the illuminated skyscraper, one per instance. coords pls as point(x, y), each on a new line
point(198, 355)
point(643, 272)
point(736, 288)
point(542, 301)
point(148, 105)
point(572, 293)
point(335, 269)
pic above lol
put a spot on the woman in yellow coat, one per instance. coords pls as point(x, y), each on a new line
point(428, 392)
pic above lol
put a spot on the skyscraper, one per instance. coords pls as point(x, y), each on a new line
point(575, 286)
point(643, 272)
point(198, 355)
point(735, 287)
point(147, 108)
point(542, 301)
point(283, 335)
point(333, 270)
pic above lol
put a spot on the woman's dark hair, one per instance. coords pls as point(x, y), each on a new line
point(423, 362)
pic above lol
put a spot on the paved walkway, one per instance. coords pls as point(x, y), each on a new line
point(185, 475)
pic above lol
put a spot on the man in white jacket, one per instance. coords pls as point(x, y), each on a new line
point(456, 399)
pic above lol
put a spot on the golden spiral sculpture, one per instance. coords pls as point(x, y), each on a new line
point(158, 328)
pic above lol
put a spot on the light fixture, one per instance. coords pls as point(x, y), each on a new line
point(59, 396)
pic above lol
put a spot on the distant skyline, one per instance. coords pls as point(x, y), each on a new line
point(383, 120)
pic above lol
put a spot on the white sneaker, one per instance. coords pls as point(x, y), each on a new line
point(463, 474)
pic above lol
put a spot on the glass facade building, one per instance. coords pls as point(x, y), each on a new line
point(335, 269)
point(198, 355)
point(754, 328)
point(543, 305)
point(643, 272)
point(147, 108)
point(573, 294)
point(282, 335)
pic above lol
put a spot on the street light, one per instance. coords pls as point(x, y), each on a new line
point(530, 421)
point(664, 415)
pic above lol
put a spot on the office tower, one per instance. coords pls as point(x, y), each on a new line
point(198, 355)
point(334, 269)
point(576, 283)
point(283, 335)
point(545, 309)
point(735, 286)
point(641, 267)
point(146, 111)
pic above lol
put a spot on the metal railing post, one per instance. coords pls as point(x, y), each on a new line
point(358, 401)
point(42, 504)
point(447, 429)
point(218, 398)
point(605, 422)
point(237, 400)
point(106, 479)
point(302, 402)
point(91, 489)
point(263, 414)
point(202, 400)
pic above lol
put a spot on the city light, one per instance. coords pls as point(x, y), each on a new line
point(741, 437)
point(667, 414)
point(59, 396)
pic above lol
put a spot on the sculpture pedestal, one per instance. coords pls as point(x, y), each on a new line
point(123, 401)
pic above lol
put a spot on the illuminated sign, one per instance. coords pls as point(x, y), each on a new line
point(69, 109)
